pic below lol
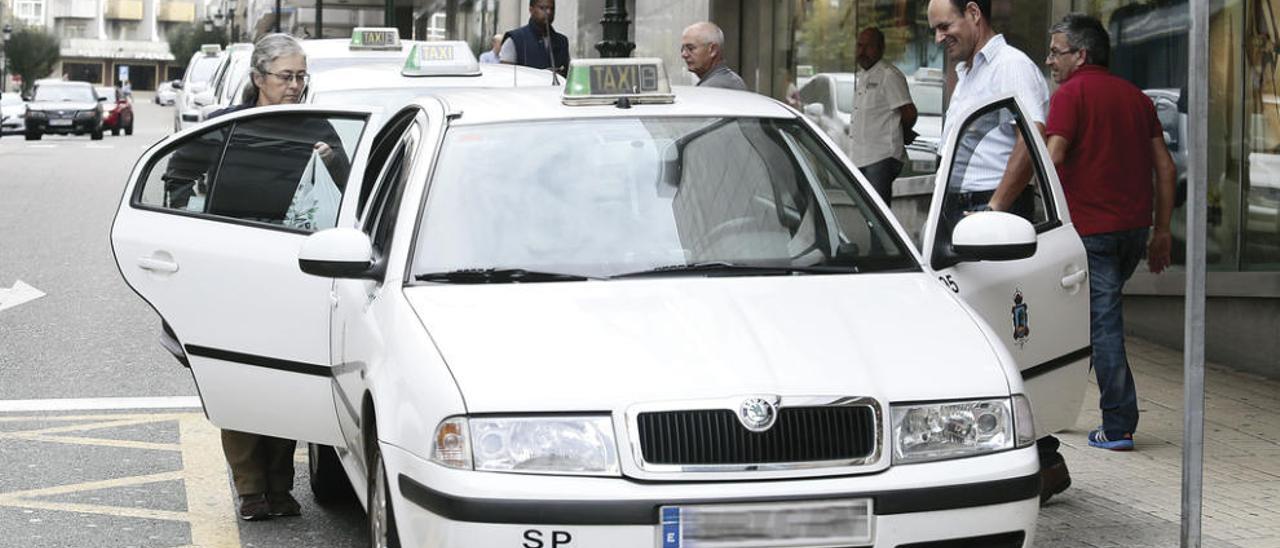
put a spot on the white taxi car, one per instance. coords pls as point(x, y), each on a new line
point(429, 66)
point(197, 78)
point(612, 315)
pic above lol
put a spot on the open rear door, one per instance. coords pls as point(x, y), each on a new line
point(208, 233)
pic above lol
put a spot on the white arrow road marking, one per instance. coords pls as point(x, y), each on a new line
point(18, 294)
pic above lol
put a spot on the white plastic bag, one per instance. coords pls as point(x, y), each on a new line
point(315, 203)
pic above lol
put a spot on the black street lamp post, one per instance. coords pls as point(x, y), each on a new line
point(4, 65)
point(615, 23)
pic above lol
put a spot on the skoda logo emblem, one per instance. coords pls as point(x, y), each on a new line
point(758, 414)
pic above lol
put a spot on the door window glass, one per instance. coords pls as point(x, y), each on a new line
point(381, 220)
point(981, 157)
point(287, 171)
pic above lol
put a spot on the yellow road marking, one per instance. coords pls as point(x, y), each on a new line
point(204, 471)
point(210, 510)
point(77, 440)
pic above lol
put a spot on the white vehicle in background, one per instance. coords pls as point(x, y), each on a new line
point(199, 74)
point(610, 314)
point(12, 109)
point(827, 99)
point(227, 79)
point(430, 66)
point(165, 94)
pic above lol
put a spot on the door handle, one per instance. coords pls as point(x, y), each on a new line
point(157, 265)
point(1074, 279)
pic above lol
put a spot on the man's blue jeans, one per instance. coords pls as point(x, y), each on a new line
point(1113, 256)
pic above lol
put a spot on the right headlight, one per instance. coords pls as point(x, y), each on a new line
point(35, 114)
point(570, 445)
point(948, 430)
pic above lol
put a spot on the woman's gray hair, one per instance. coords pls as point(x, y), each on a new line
point(265, 51)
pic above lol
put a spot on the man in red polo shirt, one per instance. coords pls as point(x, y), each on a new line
point(1107, 143)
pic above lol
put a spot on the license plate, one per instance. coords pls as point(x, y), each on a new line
point(767, 525)
point(59, 122)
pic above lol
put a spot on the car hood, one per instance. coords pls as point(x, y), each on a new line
point(600, 346)
point(62, 105)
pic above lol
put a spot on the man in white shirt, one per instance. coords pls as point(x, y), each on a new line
point(1000, 167)
point(883, 115)
point(988, 67)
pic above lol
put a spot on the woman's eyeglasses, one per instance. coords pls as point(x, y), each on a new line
point(286, 77)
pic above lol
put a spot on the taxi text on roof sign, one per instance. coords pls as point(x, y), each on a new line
point(452, 58)
point(375, 38)
point(210, 49)
point(604, 81)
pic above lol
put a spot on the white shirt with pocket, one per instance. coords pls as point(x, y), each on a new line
point(875, 126)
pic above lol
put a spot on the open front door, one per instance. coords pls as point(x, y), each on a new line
point(208, 233)
point(1039, 306)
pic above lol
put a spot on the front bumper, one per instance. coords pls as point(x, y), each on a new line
point(993, 497)
point(76, 126)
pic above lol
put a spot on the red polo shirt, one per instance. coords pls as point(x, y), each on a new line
point(1109, 172)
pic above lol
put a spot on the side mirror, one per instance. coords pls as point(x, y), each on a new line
point(177, 84)
point(993, 236)
point(203, 99)
point(102, 99)
point(814, 109)
point(337, 253)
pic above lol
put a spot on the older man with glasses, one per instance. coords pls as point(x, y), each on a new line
point(702, 48)
point(1107, 143)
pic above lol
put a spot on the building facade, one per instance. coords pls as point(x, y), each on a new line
point(107, 41)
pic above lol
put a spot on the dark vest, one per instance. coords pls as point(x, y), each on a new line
point(531, 52)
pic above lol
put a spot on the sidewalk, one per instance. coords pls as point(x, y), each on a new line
point(1134, 499)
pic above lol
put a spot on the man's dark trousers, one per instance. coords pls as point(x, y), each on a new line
point(881, 176)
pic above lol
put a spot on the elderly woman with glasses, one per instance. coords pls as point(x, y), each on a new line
point(278, 76)
point(262, 466)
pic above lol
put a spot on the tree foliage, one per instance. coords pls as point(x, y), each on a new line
point(32, 53)
point(185, 40)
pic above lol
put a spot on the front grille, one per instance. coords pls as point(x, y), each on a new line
point(715, 437)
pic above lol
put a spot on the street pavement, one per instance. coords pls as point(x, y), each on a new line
point(81, 465)
point(1133, 499)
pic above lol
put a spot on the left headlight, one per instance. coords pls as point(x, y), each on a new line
point(583, 445)
point(86, 114)
point(948, 430)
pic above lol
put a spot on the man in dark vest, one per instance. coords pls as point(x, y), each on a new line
point(537, 45)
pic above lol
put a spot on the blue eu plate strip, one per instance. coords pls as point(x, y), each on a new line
point(670, 528)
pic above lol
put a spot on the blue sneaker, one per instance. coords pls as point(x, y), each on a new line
point(1098, 438)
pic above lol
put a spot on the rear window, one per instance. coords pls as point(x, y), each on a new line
point(57, 92)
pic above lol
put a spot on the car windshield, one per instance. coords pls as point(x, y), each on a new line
point(202, 69)
point(57, 92)
point(390, 61)
point(619, 196)
point(844, 96)
point(927, 95)
point(389, 99)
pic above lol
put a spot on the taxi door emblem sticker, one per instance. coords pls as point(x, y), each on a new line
point(757, 414)
point(1021, 320)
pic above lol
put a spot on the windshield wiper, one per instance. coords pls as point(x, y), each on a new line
point(728, 268)
point(497, 276)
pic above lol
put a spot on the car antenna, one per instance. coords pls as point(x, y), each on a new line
point(551, 52)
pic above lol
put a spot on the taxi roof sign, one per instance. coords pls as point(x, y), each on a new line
point(442, 58)
point(210, 49)
point(375, 38)
point(605, 81)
